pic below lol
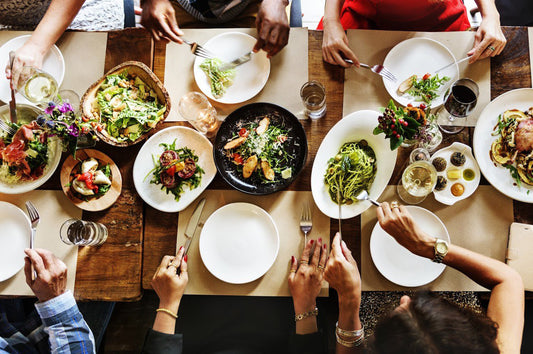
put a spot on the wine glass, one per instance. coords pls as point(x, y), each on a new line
point(36, 85)
point(198, 111)
point(418, 181)
point(460, 101)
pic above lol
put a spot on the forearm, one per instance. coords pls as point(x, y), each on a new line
point(57, 18)
point(332, 11)
point(164, 322)
point(487, 8)
point(307, 325)
point(349, 321)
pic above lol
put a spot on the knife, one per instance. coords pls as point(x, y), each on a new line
point(193, 224)
point(12, 103)
point(236, 62)
point(455, 62)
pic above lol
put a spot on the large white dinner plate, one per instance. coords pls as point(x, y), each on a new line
point(499, 176)
point(419, 56)
point(239, 243)
point(53, 63)
point(14, 238)
point(354, 127)
point(399, 265)
point(250, 77)
point(152, 193)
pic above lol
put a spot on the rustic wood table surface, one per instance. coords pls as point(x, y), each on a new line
point(139, 236)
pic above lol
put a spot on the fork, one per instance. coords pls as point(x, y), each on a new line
point(198, 50)
point(364, 196)
point(306, 223)
point(34, 218)
point(378, 69)
point(7, 128)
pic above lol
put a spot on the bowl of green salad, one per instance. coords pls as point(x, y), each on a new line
point(126, 104)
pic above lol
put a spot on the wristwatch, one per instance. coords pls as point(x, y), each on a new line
point(441, 250)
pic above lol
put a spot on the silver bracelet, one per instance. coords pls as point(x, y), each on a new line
point(349, 334)
point(301, 316)
point(349, 343)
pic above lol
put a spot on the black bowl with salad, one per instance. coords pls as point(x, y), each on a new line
point(260, 148)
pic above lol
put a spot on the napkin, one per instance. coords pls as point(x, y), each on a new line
point(365, 90)
point(288, 72)
point(479, 223)
point(54, 208)
point(285, 208)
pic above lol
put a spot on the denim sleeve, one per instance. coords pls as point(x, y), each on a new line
point(67, 330)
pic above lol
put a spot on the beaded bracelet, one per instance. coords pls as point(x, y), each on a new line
point(301, 316)
point(168, 312)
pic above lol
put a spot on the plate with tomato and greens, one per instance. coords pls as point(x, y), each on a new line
point(173, 168)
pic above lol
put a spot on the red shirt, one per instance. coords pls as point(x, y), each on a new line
point(406, 15)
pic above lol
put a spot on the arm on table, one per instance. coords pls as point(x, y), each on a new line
point(506, 304)
point(272, 27)
point(489, 40)
point(335, 42)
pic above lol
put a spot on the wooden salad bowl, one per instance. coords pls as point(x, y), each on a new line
point(88, 101)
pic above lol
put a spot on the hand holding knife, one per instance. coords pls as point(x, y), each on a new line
point(192, 225)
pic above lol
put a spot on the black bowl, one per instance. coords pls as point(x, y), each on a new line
point(296, 145)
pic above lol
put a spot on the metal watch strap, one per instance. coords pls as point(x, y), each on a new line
point(439, 256)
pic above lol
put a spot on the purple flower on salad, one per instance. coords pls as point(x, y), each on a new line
point(65, 107)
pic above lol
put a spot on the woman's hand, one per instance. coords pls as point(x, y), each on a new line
point(400, 224)
point(489, 40)
point(335, 45)
point(168, 283)
point(27, 55)
point(159, 17)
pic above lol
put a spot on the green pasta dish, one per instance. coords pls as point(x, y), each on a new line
point(351, 171)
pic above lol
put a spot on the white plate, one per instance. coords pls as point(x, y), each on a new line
point(53, 63)
point(354, 127)
point(419, 56)
point(54, 156)
point(445, 196)
point(14, 238)
point(499, 176)
point(152, 193)
point(250, 77)
point(399, 265)
point(239, 243)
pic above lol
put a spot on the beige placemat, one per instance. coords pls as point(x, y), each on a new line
point(288, 72)
point(479, 223)
point(84, 55)
point(285, 208)
point(530, 38)
point(54, 208)
point(364, 89)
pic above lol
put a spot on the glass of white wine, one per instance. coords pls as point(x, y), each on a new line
point(418, 181)
point(36, 86)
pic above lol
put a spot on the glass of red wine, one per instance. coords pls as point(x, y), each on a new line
point(460, 101)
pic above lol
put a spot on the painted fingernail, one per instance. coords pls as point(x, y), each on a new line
point(320, 239)
point(312, 241)
point(181, 248)
point(185, 258)
point(325, 246)
point(292, 259)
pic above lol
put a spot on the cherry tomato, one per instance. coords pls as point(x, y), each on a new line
point(423, 106)
point(188, 170)
point(238, 159)
point(427, 76)
point(171, 170)
point(243, 132)
point(167, 157)
point(85, 119)
point(168, 181)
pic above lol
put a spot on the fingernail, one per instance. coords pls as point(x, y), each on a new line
point(292, 259)
point(312, 241)
point(320, 239)
point(185, 258)
point(325, 246)
point(181, 248)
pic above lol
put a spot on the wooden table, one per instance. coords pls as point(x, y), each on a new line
point(139, 236)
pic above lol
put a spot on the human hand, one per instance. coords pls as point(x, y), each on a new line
point(400, 224)
point(305, 277)
point(272, 27)
point(27, 55)
point(51, 280)
point(159, 17)
point(343, 275)
point(489, 40)
point(335, 45)
point(168, 284)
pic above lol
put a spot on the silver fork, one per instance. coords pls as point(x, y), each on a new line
point(378, 69)
point(7, 128)
point(34, 218)
point(306, 222)
point(198, 50)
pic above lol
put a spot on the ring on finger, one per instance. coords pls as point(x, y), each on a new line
point(293, 270)
point(172, 265)
point(394, 204)
point(320, 267)
point(491, 48)
point(304, 261)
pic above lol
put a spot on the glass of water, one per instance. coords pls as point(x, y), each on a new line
point(83, 233)
point(313, 96)
point(418, 181)
point(36, 85)
point(198, 111)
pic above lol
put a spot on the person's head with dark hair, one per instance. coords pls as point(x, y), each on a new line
point(429, 324)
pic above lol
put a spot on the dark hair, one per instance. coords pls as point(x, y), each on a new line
point(433, 325)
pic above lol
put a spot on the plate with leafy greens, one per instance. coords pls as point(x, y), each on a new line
point(173, 168)
point(414, 62)
point(260, 148)
point(234, 85)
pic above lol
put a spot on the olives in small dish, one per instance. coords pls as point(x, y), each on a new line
point(458, 159)
point(439, 163)
point(441, 183)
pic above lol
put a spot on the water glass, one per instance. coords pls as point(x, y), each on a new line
point(198, 111)
point(83, 233)
point(418, 181)
point(313, 96)
point(460, 101)
point(36, 86)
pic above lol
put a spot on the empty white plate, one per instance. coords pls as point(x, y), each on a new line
point(239, 243)
point(14, 238)
point(399, 265)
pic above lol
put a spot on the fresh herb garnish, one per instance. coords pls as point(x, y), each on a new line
point(426, 88)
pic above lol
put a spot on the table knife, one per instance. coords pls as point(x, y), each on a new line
point(236, 62)
point(455, 62)
point(193, 224)
point(12, 103)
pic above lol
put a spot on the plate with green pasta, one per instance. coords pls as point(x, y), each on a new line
point(351, 159)
point(234, 85)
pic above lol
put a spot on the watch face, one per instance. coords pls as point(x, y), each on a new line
point(441, 247)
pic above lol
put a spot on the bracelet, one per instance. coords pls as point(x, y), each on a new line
point(349, 343)
point(349, 339)
point(168, 312)
point(349, 334)
point(301, 316)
